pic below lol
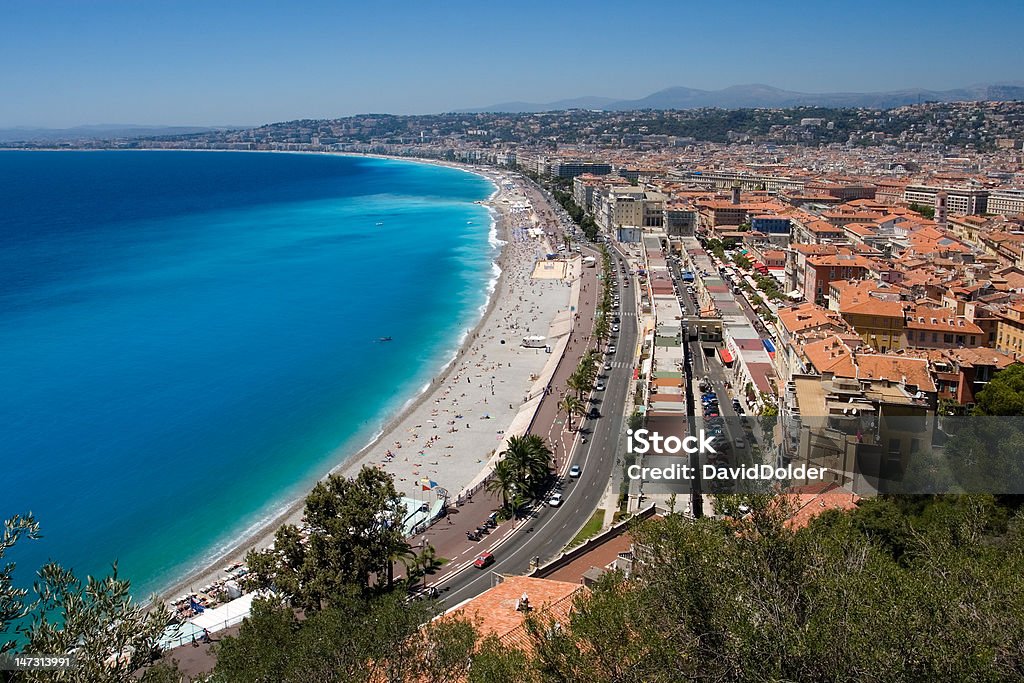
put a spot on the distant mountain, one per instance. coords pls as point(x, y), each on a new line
point(759, 95)
point(98, 132)
point(528, 107)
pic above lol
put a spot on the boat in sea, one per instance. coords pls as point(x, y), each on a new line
point(384, 339)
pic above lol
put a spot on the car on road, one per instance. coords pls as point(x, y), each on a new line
point(555, 500)
point(574, 471)
point(483, 560)
point(711, 412)
point(599, 386)
point(626, 283)
point(607, 366)
point(615, 328)
point(738, 442)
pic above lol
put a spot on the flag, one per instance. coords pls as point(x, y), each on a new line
point(432, 483)
point(425, 484)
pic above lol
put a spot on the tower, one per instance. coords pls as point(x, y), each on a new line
point(940, 208)
point(736, 194)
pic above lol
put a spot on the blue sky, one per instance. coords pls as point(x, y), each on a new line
point(209, 63)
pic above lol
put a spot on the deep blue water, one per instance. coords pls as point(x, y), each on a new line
point(189, 340)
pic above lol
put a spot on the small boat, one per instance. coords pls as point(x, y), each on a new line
point(384, 339)
point(380, 222)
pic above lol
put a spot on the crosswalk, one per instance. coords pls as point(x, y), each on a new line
point(621, 364)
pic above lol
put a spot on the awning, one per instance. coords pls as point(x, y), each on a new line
point(726, 356)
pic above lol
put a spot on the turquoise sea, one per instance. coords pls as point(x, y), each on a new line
point(188, 340)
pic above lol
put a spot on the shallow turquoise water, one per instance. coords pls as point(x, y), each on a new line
point(189, 340)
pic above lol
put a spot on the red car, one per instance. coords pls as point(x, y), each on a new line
point(483, 560)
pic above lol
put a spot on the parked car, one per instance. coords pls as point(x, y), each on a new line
point(483, 560)
point(607, 366)
point(611, 349)
point(599, 386)
point(574, 471)
point(738, 442)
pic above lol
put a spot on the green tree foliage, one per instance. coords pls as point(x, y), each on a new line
point(716, 247)
point(926, 211)
point(12, 598)
point(571, 406)
point(351, 641)
point(356, 530)
point(1004, 395)
point(885, 593)
point(96, 619)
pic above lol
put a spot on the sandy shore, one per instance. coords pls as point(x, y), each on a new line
point(450, 431)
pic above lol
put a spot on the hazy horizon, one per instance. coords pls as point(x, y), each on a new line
point(242, 64)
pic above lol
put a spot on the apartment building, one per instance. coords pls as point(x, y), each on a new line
point(820, 271)
point(1008, 202)
point(1010, 333)
point(961, 200)
point(961, 373)
point(571, 168)
point(928, 327)
point(864, 420)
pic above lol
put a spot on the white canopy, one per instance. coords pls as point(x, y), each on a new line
point(228, 614)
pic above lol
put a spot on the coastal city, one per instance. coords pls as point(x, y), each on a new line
point(791, 302)
point(324, 370)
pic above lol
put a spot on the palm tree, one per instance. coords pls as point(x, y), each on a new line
point(571, 405)
point(587, 370)
point(529, 459)
point(601, 329)
point(401, 552)
point(503, 481)
point(539, 461)
point(578, 382)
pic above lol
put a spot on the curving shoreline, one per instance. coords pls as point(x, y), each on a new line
point(514, 260)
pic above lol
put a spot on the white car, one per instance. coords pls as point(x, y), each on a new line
point(555, 500)
point(599, 386)
point(611, 349)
